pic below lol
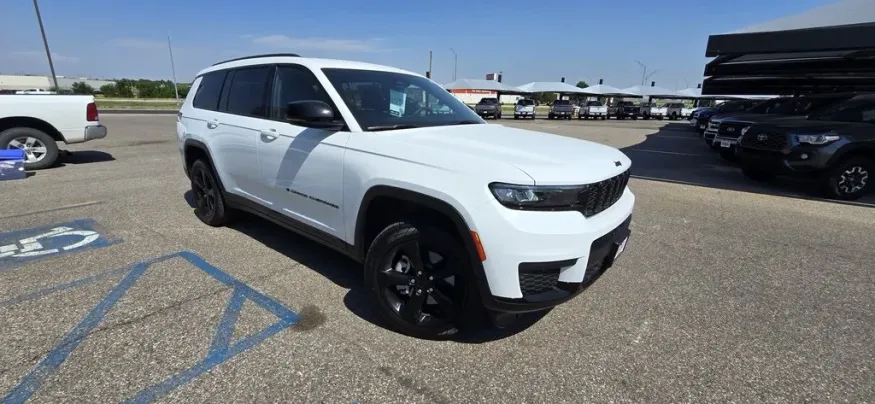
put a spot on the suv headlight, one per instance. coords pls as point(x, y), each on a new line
point(536, 197)
point(817, 138)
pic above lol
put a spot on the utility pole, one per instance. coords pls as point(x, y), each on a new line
point(455, 63)
point(429, 64)
point(46, 44)
point(173, 68)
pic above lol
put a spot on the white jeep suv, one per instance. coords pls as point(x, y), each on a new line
point(449, 215)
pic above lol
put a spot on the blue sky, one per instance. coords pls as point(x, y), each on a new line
point(581, 40)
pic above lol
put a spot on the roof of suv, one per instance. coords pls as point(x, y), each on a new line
point(312, 63)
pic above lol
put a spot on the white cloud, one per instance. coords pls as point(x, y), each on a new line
point(246, 36)
point(135, 43)
point(343, 45)
point(40, 54)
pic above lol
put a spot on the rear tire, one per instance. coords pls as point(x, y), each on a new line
point(41, 151)
point(849, 180)
point(210, 205)
point(422, 282)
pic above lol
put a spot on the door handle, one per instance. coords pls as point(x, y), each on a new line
point(269, 135)
point(212, 125)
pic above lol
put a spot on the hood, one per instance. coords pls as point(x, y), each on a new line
point(486, 106)
point(548, 159)
point(563, 107)
point(525, 107)
point(759, 118)
point(800, 124)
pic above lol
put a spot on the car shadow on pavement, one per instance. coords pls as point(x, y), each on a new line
point(83, 157)
point(676, 153)
point(346, 273)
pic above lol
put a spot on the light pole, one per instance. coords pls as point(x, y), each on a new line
point(455, 63)
point(643, 73)
point(46, 43)
point(173, 68)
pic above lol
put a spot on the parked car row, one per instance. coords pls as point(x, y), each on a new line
point(524, 108)
point(827, 138)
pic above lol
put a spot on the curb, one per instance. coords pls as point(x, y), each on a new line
point(139, 111)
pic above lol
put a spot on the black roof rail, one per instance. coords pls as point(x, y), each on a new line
point(259, 56)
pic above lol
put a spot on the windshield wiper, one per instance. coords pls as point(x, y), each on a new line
point(377, 128)
point(465, 122)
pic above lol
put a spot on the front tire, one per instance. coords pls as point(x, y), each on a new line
point(421, 279)
point(210, 205)
point(40, 150)
point(850, 180)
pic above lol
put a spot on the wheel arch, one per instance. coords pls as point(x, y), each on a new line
point(33, 123)
point(851, 151)
point(457, 223)
point(194, 150)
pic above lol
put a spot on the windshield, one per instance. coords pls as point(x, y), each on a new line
point(488, 101)
point(525, 102)
point(562, 102)
point(734, 106)
point(768, 106)
point(594, 104)
point(858, 109)
point(382, 100)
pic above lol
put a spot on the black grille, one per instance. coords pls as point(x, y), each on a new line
point(731, 129)
point(537, 282)
point(765, 140)
point(602, 195)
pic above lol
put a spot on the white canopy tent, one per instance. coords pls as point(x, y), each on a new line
point(478, 84)
point(606, 90)
point(651, 91)
point(550, 87)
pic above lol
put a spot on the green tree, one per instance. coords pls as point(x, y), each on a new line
point(544, 98)
point(81, 87)
point(582, 84)
point(109, 90)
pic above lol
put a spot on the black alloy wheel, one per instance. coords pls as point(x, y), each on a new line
point(851, 179)
point(419, 276)
point(209, 204)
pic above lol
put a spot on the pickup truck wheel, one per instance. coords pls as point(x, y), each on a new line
point(40, 150)
point(420, 278)
point(850, 180)
point(210, 206)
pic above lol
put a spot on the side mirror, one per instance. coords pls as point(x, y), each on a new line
point(312, 114)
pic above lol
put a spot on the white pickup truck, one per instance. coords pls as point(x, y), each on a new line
point(36, 123)
point(593, 109)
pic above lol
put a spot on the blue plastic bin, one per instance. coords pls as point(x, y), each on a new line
point(12, 164)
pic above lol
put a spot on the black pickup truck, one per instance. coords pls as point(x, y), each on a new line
point(488, 107)
point(834, 146)
point(623, 110)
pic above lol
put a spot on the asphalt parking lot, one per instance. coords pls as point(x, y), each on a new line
point(728, 292)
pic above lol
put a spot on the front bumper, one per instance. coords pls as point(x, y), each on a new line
point(573, 249)
point(524, 113)
point(801, 160)
point(487, 113)
point(562, 113)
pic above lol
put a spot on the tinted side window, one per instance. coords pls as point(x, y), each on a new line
point(293, 83)
point(207, 95)
point(247, 91)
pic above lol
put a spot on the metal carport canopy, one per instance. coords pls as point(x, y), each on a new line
point(846, 25)
point(827, 49)
point(551, 87)
point(651, 91)
point(478, 84)
point(604, 89)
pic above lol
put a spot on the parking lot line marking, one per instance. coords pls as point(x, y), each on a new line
point(65, 207)
point(667, 152)
point(57, 288)
point(221, 347)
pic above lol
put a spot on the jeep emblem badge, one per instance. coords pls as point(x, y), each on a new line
point(762, 137)
point(617, 163)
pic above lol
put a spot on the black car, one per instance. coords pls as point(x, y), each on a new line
point(699, 119)
point(725, 129)
point(624, 109)
point(835, 146)
point(488, 107)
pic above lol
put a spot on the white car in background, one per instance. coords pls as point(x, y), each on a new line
point(593, 109)
point(35, 91)
point(524, 108)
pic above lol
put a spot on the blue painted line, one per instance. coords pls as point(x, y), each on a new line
point(221, 348)
point(58, 288)
point(49, 243)
point(59, 354)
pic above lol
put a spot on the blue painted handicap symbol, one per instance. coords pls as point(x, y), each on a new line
point(17, 247)
point(221, 348)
